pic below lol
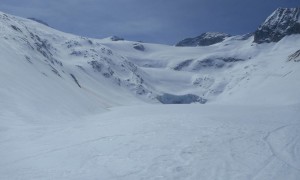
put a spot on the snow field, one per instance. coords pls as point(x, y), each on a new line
point(158, 142)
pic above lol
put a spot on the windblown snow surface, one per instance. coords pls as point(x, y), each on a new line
point(76, 108)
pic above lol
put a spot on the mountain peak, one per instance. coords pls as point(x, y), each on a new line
point(205, 39)
point(282, 22)
point(38, 20)
point(116, 38)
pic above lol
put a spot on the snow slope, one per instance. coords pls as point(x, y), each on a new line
point(79, 108)
point(158, 142)
point(48, 72)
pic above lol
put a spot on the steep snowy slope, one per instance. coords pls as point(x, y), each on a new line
point(50, 72)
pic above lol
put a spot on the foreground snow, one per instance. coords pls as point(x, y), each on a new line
point(156, 142)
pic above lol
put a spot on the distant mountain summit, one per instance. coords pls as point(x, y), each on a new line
point(282, 22)
point(116, 38)
point(205, 39)
point(39, 21)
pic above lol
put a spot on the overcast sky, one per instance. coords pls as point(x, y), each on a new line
point(159, 21)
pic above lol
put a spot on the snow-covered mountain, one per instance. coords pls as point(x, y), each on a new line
point(142, 71)
point(80, 108)
point(205, 39)
point(38, 61)
point(39, 21)
point(282, 22)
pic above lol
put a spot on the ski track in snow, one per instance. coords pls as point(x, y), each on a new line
point(156, 142)
point(289, 149)
point(276, 153)
point(60, 149)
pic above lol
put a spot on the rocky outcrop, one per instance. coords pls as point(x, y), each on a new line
point(183, 65)
point(205, 39)
point(210, 62)
point(282, 22)
point(139, 47)
point(116, 38)
point(295, 56)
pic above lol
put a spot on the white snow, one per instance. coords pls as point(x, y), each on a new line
point(108, 124)
point(157, 142)
point(239, 84)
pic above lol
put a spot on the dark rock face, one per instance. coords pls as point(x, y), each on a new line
point(16, 28)
point(215, 63)
point(139, 47)
point(281, 23)
point(39, 21)
point(205, 39)
point(183, 65)
point(209, 63)
point(295, 56)
point(116, 38)
point(75, 80)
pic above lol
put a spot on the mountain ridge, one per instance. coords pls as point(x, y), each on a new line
point(282, 22)
point(141, 69)
point(205, 39)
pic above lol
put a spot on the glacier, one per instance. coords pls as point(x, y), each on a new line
point(74, 107)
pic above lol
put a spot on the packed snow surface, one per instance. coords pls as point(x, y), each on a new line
point(157, 142)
